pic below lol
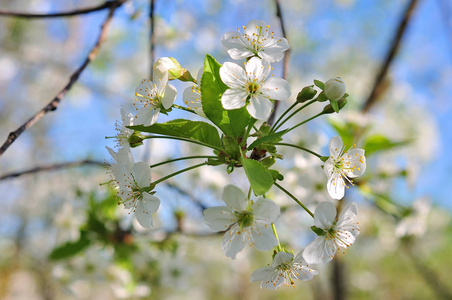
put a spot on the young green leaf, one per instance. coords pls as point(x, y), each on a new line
point(231, 122)
point(379, 142)
point(260, 179)
point(195, 130)
point(269, 139)
point(70, 248)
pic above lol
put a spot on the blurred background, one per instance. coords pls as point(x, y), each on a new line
point(62, 236)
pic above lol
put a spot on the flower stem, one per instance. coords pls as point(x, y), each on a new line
point(296, 200)
point(277, 238)
point(248, 130)
point(181, 139)
point(184, 108)
point(178, 172)
point(294, 113)
point(180, 158)
point(301, 148)
point(284, 113)
point(305, 121)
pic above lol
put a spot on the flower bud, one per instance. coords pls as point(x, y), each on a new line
point(329, 108)
point(334, 89)
point(174, 69)
point(136, 139)
point(307, 93)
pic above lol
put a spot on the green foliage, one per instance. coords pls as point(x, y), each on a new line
point(70, 248)
point(378, 142)
point(319, 84)
point(270, 139)
point(195, 130)
point(231, 122)
point(260, 179)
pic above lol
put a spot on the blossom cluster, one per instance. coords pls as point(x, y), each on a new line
point(248, 92)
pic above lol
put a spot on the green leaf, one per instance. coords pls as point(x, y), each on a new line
point(70, 248)
point(379, 142)
point(319, 84)
point(335, 106)
point(260, 179)
point(195, 130)
point(269, 139)
point(231, 122)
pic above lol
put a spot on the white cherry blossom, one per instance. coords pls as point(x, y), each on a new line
point(250, 86)
point(124, 133)
point(256, 40)
point(152, 97)
point(132, 182)
point(285, 269)
point(246, 222)
point(333, 232)
point(335, 89)
point(192, 95)
point(342, 164)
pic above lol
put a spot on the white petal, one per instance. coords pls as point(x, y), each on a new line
point(264, 238)
point(254, 28)
point(324, 215)
point(276, 88)
point(348, 213)
point(345, 238)
point(328, 168)
point(282, 258)
point(260, 107)
point(142, 174)
point(355, 159)
point(275, 281)
point(145, 208)
point(160, 79)
point(233, 75)
point(169, 97)
point(306, 273)
point(257, 69)
point(145, 116)
point(219, 218)
point(266, 210)
point(146, 89)
point(261, 274)
point(233, 99)
point(335, 146)
point(234, 198)
point(321, 250)
point(199, 76)
point(233, 242)
point(239, 53)
point(336, 187)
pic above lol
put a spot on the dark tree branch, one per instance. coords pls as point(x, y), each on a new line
point(379, 85)
point(53, 105)
point(151, 37)
point(53, 167)
point(279, 15)
point(76, 12)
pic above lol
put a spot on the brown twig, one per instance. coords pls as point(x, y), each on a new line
point(76, 12)
point(53, 105)
point(279, 15)
point(379, 85)
point(151, 37)
point(53, 167)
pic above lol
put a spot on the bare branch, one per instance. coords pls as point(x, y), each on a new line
point(53, 167)
point(271, 119)
point(151, 37)
point(76, 12)
point(379, 84)
point(53, 105)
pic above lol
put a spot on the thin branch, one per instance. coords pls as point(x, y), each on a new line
point(151, 37)
point(76, 12)
point(379, 84)
point(279, 15)
point(53, 167)
point(53, 105)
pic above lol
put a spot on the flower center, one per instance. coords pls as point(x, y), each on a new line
point(244, 218)
point(253, 87)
